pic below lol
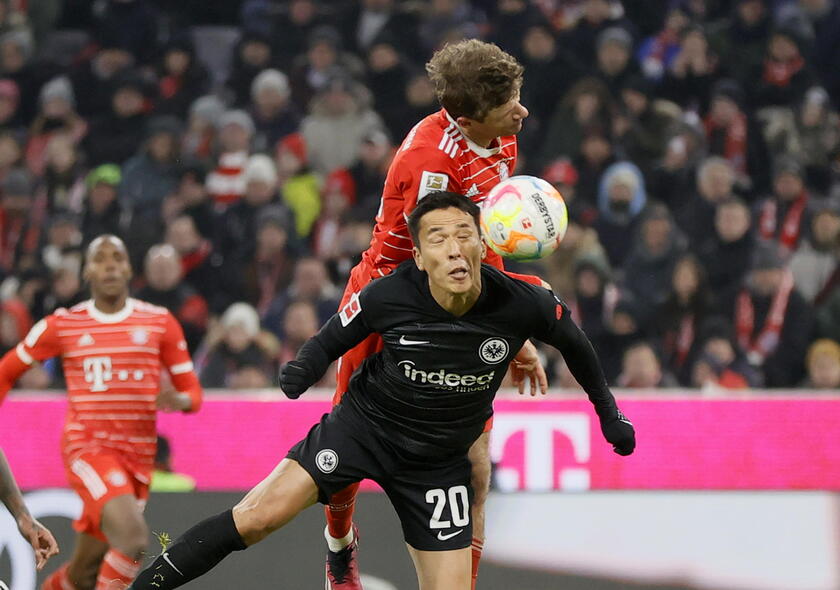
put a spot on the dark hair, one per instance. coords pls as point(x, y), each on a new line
point(472, 78)
point(440, 200)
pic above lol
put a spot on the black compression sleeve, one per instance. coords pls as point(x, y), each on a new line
point(586, 368)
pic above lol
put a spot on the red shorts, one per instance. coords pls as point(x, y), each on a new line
point(99, 476)
point(360, 276)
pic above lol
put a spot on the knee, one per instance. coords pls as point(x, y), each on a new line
point(132, 539)
point(480, 482)
point(253, 523)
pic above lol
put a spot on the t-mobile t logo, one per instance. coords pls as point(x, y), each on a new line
point(537, 469)
point(97, 372)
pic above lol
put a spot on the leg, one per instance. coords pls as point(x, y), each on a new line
point(83, 567)
point(128, 536)
point(442, 570)
point(270, 505)
point(480, 479)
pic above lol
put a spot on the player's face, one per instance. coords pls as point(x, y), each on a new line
point(503, 120)
point(450, 250)
point(107, 268)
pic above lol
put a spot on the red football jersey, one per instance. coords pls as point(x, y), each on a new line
point(434, 156)
point(112, 365)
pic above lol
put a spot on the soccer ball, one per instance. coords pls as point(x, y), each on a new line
point(523, 218)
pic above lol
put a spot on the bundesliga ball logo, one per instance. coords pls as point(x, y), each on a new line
point(523, 218)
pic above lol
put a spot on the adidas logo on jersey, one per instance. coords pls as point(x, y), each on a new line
point(473, 192)
point(85, 340)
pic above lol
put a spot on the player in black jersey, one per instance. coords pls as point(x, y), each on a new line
point(450, 326)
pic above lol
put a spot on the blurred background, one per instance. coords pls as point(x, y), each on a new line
point(239, 147)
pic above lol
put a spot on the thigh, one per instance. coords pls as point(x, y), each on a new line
point(333, 457)
point(479, 456)
point(99, 477)
point(433, 504)
point(442, 570)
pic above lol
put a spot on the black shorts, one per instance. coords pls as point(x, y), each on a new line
point(432, 499)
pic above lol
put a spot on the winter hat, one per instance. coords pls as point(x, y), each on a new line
point(260, 168)
point(208, 107)
point(237, 117)
point(242, 315)
point(106, 173)
point(295, 143)
point(270, 80)
point(59, 88)
point(561, 171)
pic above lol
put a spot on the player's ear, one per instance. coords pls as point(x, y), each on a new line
point(483, 246)
point(418, 257)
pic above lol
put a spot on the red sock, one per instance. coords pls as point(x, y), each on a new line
point(58, 580)
point(477, 548)
point(117, 571)
point(339, 511)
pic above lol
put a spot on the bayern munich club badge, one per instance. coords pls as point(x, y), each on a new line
point(493, 351)
point(326, 460)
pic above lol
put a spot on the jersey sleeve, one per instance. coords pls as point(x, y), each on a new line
point(553, 325)
point(176, 358)
point(422, 171)
point(39, 344)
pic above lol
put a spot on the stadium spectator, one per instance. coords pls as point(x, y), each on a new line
point(338, 197)
point(586, 107)
point(163, 272)
point(773, 323)
point(594, 295)
point(823, 363)
point(696, 213)
point(621, 198)
point(579, 243)
point(102, 212)
point(233, 348)
point(11, 152)
point(740, 38)
point(596, 155)
point(297, 24)
point(311, 283)
point(64, 179)
point(115, 135)
point(642, 125)
point(63, 243)
point(689, 78)
point(675, 175)
point(134, 24)
point(20, 219)
point(93, 80)
point(727, 253)
point(510, 26)
point(300, 187)
point(821, 19)
point(622, 330)
point(190, 197)
point(784, 76)
point(151, 175)
point(615, 63)
point(340, 118)
point(387, 79)
point(226, 183)
point(200, 135)
point(251, 55)
point(649, 268)
point(679, 319)
point(201, 265)
point(784, 217)
point(56, 115)
point(719, 363)
point(815, 262)
point(182, 79)
point(642, 369)
point(598, 16)
point(65, 287)
point(816, 138)
point(367, 175)
point(368, 19)
point(300, 322)
point(420, 100)
point(733, 135)
point(16, 64)
point(10, 119)
point(164, 477)
point(656, 53)
point(446, 21)
point(274, 115)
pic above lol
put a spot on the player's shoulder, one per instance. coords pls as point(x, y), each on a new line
point(512, 285)
point(434, 137)
point(148, 311)
point(394, 285)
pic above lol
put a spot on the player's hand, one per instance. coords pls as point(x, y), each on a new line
point(170, 400)
point(620, 433)
point(41, 539)
point(294, 379)
point(526, 364)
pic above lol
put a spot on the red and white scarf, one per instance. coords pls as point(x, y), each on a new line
point(779, 73)
point(735, 141)
point(766, 341)
point(789, 234)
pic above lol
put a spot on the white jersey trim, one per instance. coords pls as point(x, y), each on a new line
point(110, 318)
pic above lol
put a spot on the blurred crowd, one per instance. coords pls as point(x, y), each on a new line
point(696, 142)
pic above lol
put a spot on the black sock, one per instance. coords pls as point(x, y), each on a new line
point(193, 554)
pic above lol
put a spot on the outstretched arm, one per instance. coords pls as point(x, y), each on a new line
point(342, 332)
point(562, 333)
point(41, 539)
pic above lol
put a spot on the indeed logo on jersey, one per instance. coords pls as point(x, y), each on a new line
point(462, 383)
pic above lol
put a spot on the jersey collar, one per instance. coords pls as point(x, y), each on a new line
point(474, 147)
point(110, 318)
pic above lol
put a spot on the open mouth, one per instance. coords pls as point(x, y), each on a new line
point(459, 273)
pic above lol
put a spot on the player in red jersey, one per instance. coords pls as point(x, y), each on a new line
point(112, 348)
point(467, 147)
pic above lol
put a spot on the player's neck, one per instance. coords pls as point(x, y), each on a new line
point(110, 304)
point(478, 139)
point(456, 303)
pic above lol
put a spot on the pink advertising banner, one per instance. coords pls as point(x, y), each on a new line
point(755, 442)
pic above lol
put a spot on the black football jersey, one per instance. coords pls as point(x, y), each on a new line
point(429, 391)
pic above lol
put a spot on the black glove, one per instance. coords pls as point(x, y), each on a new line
point(620, 433)
point(294, 379)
